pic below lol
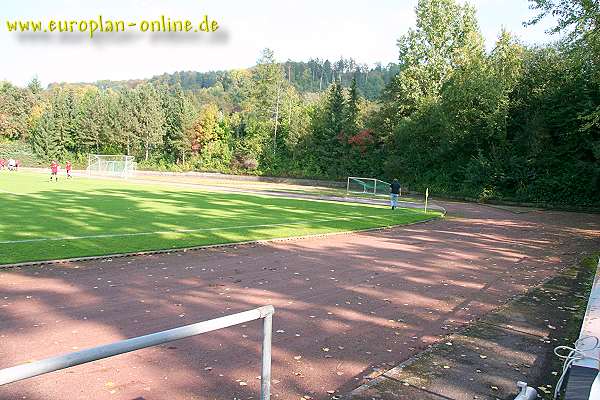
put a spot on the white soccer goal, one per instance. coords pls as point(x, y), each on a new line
point(372, 186)
point(111, 165)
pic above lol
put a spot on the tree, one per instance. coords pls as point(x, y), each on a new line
point(336, 110)
point(34, 86)
point(174, 137)
point(63, 111)
point(429, 53)
point(206, 127)
point(210, 137)
point(580, 17)
point(189, 115)
point(90, 121)
point(44, 141)
point(151, 118)
point(581, 20)
point(127, 125)
point(352, 110)
point(15, 108)
point(449, 105)
point(268, 87)
point(328, 131)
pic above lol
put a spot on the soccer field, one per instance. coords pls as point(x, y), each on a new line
point(42, 220)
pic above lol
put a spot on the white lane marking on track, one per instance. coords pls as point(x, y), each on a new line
point(110, 235)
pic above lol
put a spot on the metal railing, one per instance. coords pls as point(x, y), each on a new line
point(24, 371)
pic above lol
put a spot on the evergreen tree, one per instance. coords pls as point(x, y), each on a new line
point(151, 118)
point(34, 86)
point(174, 138)
point(329, 137)
point(44, 140)
point(352, 110)
point(88, 122)
point(127, 125)
point(63, 111)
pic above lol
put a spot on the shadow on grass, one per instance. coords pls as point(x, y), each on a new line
point(137, 219)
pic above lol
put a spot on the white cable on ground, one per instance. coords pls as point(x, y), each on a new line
point(576, 353)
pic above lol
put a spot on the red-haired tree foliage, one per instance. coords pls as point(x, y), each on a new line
point(361, 140)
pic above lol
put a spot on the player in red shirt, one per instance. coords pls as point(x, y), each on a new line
point(2, 162)
point(17, 164)
point(54, 171)
point(68, 168)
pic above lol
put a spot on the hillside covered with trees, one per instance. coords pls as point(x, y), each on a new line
point(514, 123)
point(314, 76)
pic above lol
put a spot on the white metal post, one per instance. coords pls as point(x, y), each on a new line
point(265, 376)
point(348, 186)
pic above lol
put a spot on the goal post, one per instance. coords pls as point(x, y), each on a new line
point(111, 165)
point(372, 186)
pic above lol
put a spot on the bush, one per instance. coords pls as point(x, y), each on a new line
point(214, 156)
point(246, 162)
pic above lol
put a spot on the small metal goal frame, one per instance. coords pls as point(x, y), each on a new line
point(382, 184)
point(111, 165)
point(24, 371)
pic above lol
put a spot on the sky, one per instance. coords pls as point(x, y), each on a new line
point(298, 30)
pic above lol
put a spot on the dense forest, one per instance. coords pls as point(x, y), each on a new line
point(307, 77)
point(515, 123)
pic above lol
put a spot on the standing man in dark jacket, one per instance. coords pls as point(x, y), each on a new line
point(395, 192)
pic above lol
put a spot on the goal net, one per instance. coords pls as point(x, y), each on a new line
point(372, 186)
point(111, 165)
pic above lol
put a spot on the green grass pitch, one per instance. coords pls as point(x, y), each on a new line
point(42, 220)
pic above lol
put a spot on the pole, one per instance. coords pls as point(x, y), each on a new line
point(348, 186)
point(276, 120)
point(265, 376)
point(426, 199)
point(29, 370)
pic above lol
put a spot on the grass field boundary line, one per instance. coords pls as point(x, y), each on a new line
point(111, 235)
point(9, 192)
point(211, 246)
